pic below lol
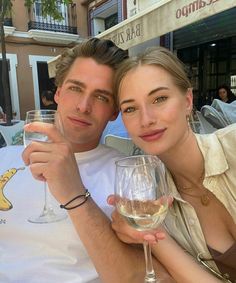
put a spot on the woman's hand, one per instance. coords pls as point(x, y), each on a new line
point(128, 234)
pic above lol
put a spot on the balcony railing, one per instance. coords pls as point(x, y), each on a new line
point(67, 25)
point(8, 22)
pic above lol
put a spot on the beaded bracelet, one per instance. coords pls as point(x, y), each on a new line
point(84, 196)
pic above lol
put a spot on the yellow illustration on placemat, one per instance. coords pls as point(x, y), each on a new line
point(5, 204)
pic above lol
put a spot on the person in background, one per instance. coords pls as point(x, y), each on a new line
point(80, 175)
point(225, 94)
point(155, 99)
point(2, 114)
point(48, 102)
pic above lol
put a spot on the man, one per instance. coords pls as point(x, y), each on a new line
point(82, 248)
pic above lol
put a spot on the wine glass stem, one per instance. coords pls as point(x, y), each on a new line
point(47, 207)
point(150, 273)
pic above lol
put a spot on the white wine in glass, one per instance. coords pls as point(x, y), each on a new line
point(48, 214)
point(142, 198)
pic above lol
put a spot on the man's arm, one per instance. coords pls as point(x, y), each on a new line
point(114, 260)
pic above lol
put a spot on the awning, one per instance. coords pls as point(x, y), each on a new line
point(160, 18)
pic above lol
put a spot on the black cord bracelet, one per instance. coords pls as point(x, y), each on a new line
point(84, 196)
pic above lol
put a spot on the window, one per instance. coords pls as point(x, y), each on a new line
point(39, 17)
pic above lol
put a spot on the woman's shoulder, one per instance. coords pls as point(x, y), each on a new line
point(227, 132)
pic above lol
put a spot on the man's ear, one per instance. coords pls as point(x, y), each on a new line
point(114, 116)
point(57, 95)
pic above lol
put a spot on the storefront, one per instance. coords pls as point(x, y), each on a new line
point(208, 48)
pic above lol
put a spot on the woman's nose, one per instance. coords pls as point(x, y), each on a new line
point(147, 118)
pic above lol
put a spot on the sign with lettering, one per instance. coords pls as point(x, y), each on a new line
point(158, 20)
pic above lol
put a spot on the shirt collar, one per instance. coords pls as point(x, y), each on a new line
point(215, 161)
point(213, 154)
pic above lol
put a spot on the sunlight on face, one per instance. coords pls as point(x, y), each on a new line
point(154, 109)
point(85, 102)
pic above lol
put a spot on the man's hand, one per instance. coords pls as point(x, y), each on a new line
point(53, 162)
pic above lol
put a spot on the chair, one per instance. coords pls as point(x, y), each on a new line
point(124, 145)
point(214, 117)
point(13, 134)
point(205, 126)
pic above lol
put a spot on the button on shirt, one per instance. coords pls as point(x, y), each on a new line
point(218, 150)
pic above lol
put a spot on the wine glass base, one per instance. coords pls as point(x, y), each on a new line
point(48, 217)
point(151, 280)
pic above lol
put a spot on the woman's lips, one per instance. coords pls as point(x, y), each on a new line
point(153, 136)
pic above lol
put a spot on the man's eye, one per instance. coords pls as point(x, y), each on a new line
point(75, 88)
point(160, 99)
point(102, 98)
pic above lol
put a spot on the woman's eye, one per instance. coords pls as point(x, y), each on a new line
point(128, 110)
point(160, 99)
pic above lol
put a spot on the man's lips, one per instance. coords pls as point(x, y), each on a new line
point(153, 135)
point(79, 121)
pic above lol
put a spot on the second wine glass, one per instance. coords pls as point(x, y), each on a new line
point(142, 198)
point(48, 214)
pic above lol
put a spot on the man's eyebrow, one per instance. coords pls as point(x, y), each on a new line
point(104, 91)
point(150, 93)
point(76, 82)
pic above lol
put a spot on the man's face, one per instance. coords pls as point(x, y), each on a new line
point(85, 103)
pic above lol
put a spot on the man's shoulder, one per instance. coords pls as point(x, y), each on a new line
point(11, 156)
point(112, 152)
point(12, 149)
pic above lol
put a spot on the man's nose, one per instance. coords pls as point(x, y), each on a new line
point(84, 104)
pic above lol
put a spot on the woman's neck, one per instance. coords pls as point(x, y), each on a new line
point(185, 162)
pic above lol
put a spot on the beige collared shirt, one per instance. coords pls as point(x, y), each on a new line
point(219, 152)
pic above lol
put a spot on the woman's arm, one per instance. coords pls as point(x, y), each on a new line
point(180, 264)
point(182, 267)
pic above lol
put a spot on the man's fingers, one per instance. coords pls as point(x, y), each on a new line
point(47, 129)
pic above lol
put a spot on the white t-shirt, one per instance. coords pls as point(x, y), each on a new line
point(48, 253)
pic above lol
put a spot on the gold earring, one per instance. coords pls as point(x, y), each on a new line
point(188, 118)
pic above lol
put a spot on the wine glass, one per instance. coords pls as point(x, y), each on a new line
point(142, 198)
point(48, 214)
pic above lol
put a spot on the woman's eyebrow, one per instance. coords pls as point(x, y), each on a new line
point(157, 89)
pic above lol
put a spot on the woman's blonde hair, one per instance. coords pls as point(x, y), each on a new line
point(155, 56)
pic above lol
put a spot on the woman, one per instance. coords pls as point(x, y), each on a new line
point(225, 94)
point(155, 99)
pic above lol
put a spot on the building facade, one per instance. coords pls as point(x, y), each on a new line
point(32, 40)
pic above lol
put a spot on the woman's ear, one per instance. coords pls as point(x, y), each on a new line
point(189, 101)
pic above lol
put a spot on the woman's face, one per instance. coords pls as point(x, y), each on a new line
point(154, 110)
point(223, 94)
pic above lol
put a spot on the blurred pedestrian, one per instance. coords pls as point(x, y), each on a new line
point(48, 102)
point(2, 114)
point(225, 94)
